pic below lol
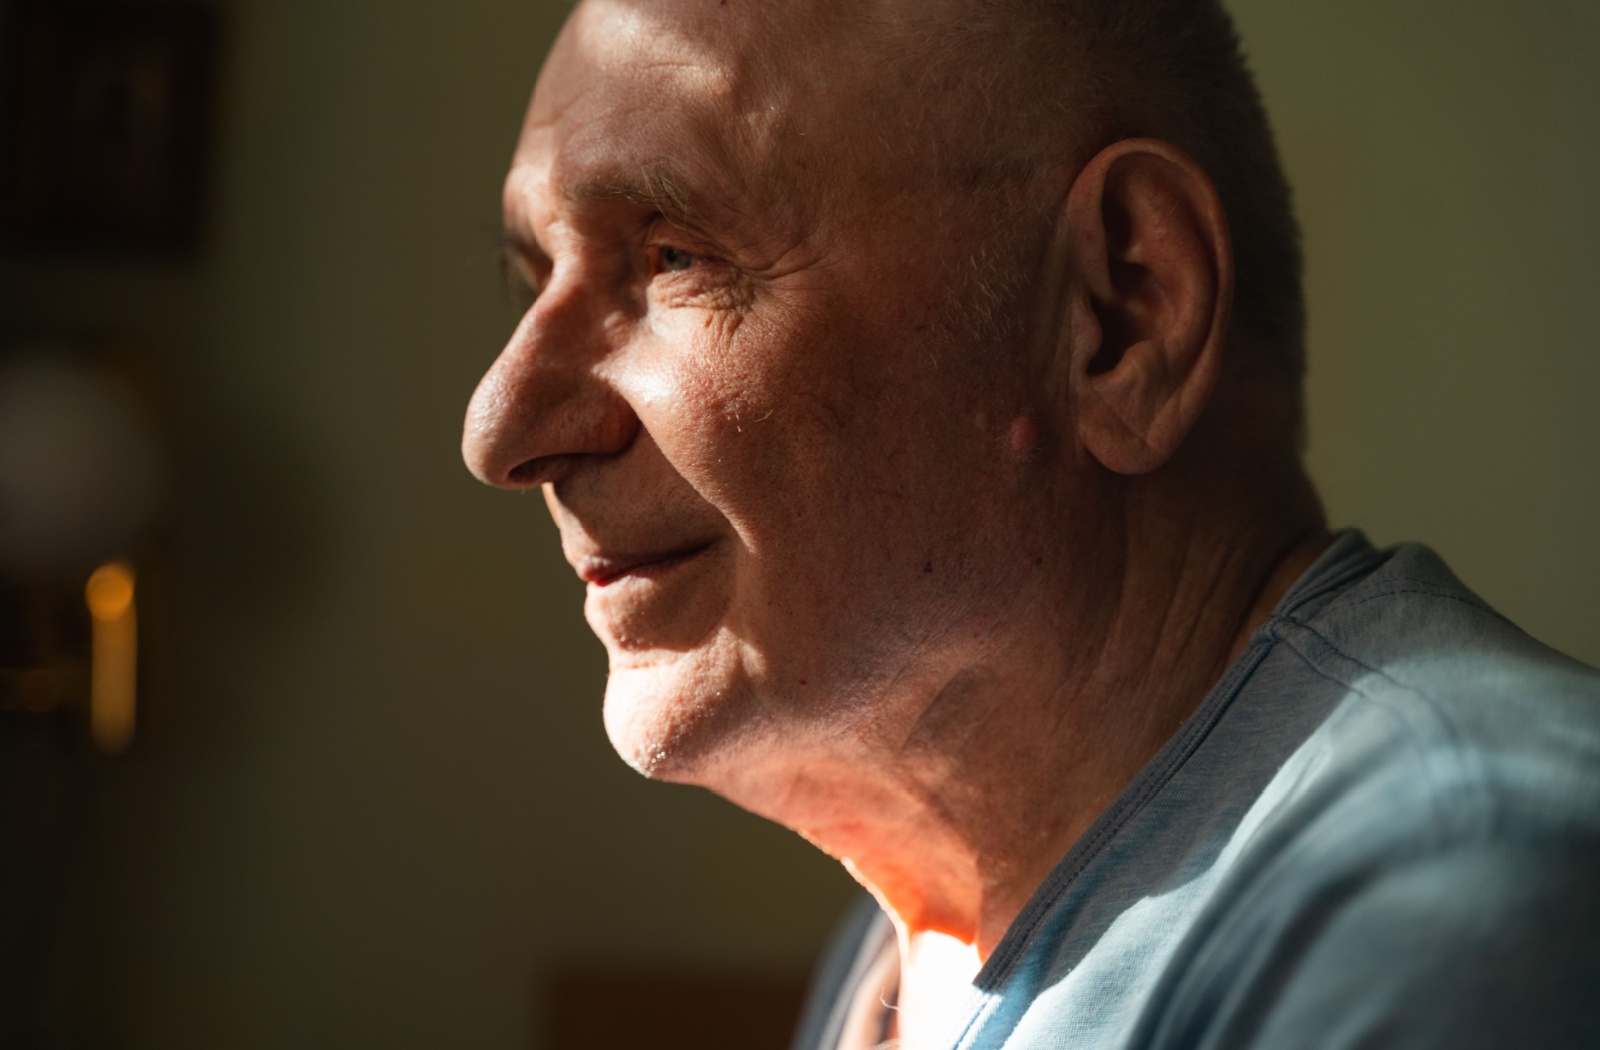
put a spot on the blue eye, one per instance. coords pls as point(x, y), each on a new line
point(675, 259)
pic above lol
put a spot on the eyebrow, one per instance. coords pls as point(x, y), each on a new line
point(655, 185)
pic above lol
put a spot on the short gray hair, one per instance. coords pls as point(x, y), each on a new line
point(1091, 72)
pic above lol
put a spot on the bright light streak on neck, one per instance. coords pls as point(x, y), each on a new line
point(113, 666)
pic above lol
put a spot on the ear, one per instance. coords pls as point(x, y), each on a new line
point(1152, 285)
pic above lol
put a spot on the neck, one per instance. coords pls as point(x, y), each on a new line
point(953, 815)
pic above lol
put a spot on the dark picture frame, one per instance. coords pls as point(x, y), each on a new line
point(106, 111)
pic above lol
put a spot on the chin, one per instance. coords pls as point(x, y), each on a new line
point(680, 716)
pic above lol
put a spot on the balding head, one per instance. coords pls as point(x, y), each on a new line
point(855, 321)
point(982, 96)
point(865, 384)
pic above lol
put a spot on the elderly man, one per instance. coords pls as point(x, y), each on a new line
point(915, 383)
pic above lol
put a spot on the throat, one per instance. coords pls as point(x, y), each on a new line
point(935, 989)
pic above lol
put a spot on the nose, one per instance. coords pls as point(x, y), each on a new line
point(543, 406)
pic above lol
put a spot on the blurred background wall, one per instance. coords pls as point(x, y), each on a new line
point(373, 803)
point(1446, 161)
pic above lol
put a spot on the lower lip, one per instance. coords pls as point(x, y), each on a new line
point(652, 569)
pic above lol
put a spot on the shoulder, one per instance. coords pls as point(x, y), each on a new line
point(1431, 876)
point(1486, 944)
point(1441, 699)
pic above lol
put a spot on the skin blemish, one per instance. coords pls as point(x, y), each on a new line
point(1023, 437)
point(927, 566)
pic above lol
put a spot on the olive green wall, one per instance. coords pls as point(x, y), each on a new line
point(377, 800)
point(1446, 162)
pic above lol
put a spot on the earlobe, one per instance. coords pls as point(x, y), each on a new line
point(1153, 284)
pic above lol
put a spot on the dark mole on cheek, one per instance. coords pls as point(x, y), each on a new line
point(927, 567)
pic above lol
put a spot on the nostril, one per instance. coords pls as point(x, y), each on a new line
point(531, 473)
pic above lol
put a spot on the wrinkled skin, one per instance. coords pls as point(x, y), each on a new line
point(922, 563)
point(794, 409)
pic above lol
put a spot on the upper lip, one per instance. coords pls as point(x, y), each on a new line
point(606, 567)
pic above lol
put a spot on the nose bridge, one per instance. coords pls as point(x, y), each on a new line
point(544, 401)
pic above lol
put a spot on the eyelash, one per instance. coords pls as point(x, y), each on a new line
point(664, 251)
point(518, 281)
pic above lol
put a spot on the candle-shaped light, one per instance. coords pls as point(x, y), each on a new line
point(114, 656)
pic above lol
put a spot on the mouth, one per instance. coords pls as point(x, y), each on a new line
point(606, 569)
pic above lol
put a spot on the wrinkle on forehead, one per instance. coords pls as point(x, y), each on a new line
point(762, 54)
point(791, 105)
point(638, 90)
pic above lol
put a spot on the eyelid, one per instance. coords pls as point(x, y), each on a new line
point(667, 233)
point(658, 263)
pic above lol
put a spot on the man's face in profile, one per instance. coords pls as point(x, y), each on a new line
point(761, 386)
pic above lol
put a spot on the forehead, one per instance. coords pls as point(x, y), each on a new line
point(755, 94)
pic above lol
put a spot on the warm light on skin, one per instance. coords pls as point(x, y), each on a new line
point(897, 554)
point(113, 667)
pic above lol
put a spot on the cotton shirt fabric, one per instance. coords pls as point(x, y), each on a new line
point(1380, 829)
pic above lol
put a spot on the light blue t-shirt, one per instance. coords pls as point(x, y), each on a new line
point(1380, 829)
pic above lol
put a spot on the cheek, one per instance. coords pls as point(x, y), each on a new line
point(831, 429)
point(732, 401)
point(846, 458)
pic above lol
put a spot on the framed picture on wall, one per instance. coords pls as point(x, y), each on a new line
point(106, 131)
